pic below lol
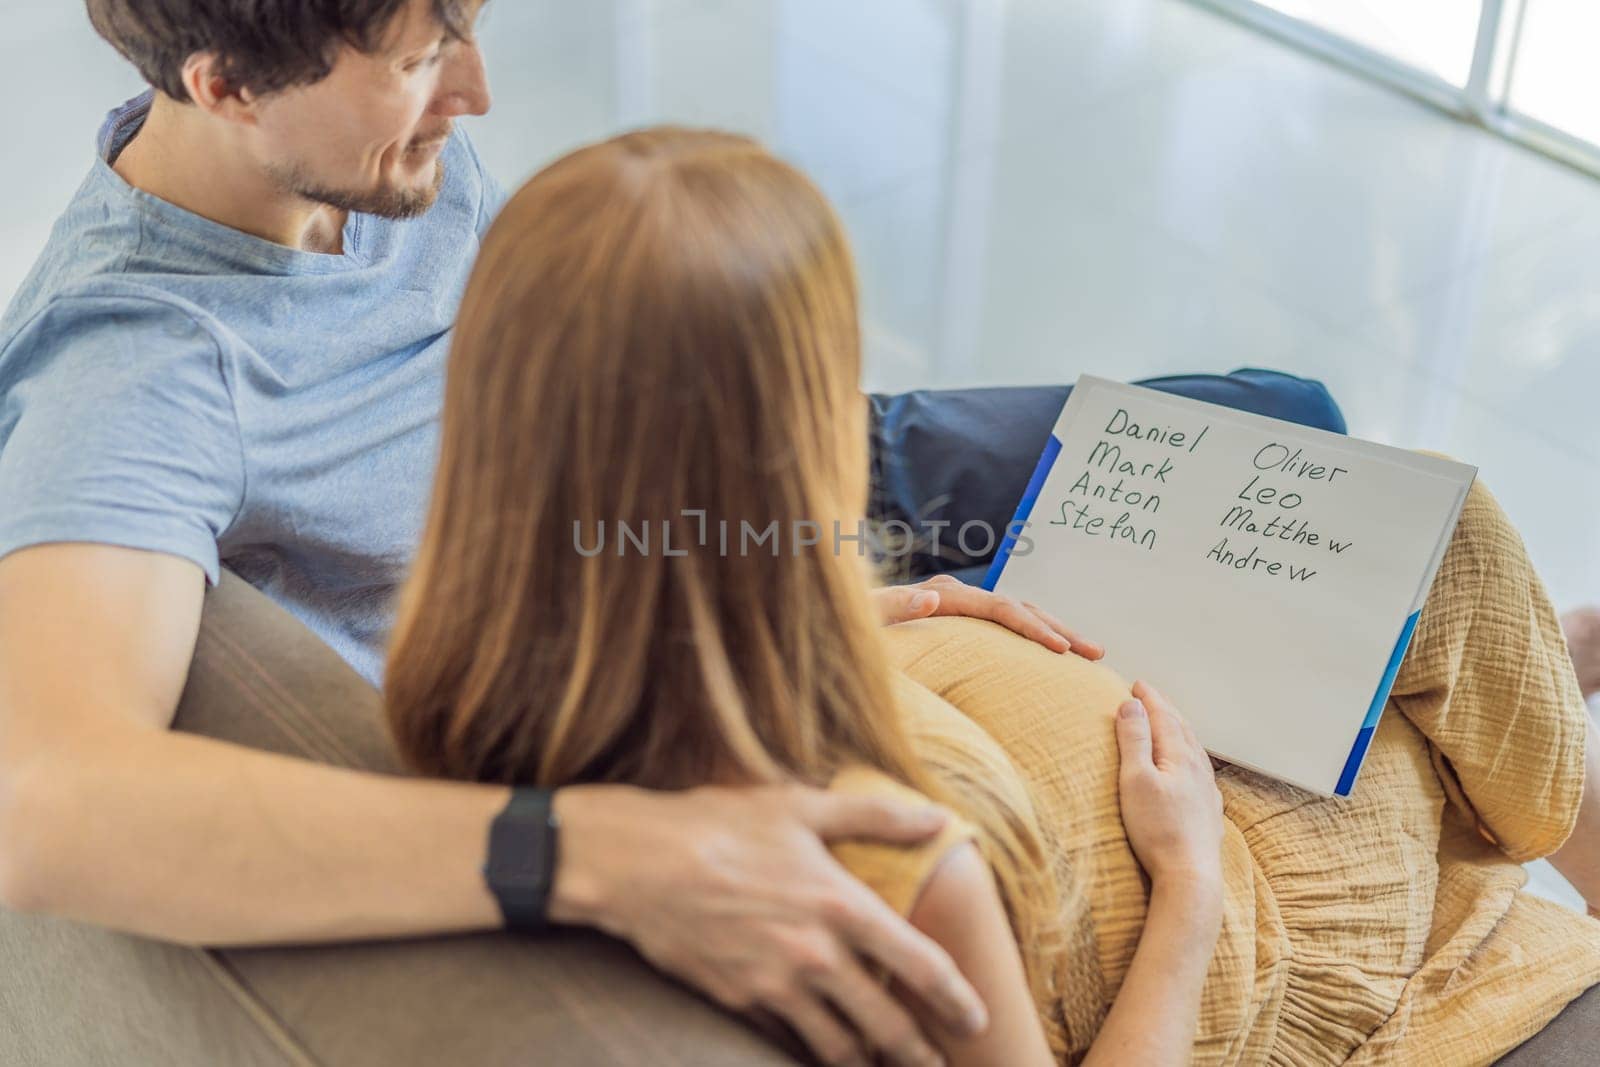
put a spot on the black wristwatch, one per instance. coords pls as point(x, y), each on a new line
point(521, 867)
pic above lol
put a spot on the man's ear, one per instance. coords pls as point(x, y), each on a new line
point(211, 92)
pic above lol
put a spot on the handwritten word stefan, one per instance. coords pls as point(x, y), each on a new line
point(1083, 518)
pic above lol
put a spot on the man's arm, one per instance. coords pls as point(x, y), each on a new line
point(108, 816)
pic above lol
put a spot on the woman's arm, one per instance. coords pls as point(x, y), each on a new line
point(1173, 815)
point(1154, 1017)
point(960, 908)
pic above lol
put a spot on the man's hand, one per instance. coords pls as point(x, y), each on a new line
point(944, 595)
point(733, 890)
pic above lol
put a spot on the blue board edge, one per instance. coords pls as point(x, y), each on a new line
point(1358, 752)
point(1030, 497)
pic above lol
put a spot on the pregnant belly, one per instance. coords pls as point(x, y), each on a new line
point(1311, 917)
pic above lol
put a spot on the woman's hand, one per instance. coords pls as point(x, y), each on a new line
point(1171, 808)
point(944, 595)
point(1173, 815)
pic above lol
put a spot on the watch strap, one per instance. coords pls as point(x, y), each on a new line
point(520, 869)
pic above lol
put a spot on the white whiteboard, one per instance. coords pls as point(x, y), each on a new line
point(1259, 572)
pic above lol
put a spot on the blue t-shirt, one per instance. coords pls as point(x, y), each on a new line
point(171, 384)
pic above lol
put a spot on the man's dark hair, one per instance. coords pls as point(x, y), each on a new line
point(261, 45)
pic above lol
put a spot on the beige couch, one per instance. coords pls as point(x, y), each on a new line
point(75, 996)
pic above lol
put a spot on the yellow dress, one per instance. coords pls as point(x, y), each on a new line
point(895, 874)
point(1387, 927)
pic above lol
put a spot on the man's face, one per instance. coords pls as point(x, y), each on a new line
point(368, 137)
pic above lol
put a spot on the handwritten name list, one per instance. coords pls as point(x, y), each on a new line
point(1267, 522)
point(1264, 575)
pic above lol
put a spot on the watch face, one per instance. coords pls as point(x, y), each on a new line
point(517, 883)
point(526, 864)
point(521, 843)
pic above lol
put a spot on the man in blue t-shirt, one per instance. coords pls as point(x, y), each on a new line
point(231, 352)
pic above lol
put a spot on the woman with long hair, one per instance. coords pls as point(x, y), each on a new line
point(642, 564)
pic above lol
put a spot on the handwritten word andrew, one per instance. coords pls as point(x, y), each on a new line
point(1253, 561)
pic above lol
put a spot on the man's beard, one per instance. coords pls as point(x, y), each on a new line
point(385, 203)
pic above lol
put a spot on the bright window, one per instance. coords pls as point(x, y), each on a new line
point(1556, 78)
point(1538, 70)
point(1432, 35)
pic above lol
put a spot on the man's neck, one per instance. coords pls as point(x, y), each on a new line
point(198, 164)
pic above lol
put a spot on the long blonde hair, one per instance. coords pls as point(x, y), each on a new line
point(661, 335)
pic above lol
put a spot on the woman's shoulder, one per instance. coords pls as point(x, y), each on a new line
point(897, 873)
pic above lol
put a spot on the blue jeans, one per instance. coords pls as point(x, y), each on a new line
point(960, 455)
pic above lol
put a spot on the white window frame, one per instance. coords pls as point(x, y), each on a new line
point(1484, 100)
